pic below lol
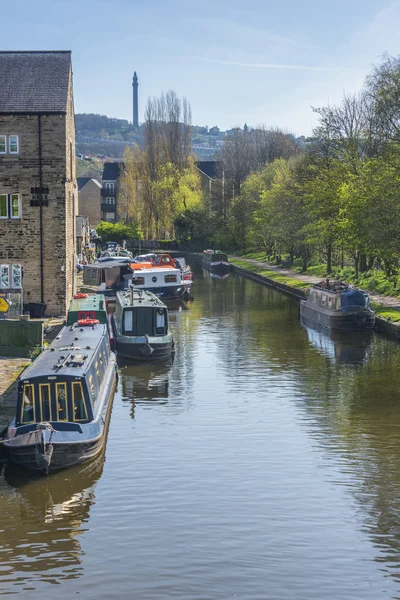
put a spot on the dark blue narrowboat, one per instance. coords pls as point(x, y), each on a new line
point(337, 306)
point(140, 326)
point(215, 261)
point(64, 401)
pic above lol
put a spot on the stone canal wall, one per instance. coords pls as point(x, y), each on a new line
point(20, 338)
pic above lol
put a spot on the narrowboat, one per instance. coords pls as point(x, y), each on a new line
point(140, 326)
point(215, 261)
point(167, 284)
point(87, 306)
point(337, 306)
point(64, 401)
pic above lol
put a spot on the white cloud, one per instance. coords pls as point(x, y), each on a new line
point(262, 65)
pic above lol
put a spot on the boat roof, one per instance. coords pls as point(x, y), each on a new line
point(71, 353)
point(140, 298)
point(155, 269)
point(336, 287)
point(91, 302)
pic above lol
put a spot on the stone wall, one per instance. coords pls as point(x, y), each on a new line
point(20, 238)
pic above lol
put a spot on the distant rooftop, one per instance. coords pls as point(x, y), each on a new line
point(211, 168)
point(111, 171)
point(82, 181)
point(34, 82)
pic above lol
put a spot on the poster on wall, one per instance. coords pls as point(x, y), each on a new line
point(4, 276)
point(16, 276)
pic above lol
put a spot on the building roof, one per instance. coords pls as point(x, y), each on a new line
point(111, 171)
point(82, 181)
point(211, 168)
point(34, 82)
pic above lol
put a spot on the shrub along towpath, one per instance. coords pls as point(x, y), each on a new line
point(387, 308)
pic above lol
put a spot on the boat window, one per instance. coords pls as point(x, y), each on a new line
point(160, 321)
point(92, 391)
point(128, 320)
point(323, 299)
point(28, 404)
point(61, 401)
point(170, 279)
point(330, 302)
point(78, 402)
point(138, 280)
point(45, 402)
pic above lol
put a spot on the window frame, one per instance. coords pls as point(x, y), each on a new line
point(31, 385)
point(64, 385)
point(10, 201)
point(16, 136)
point(7, 207)
point(5, 144)
point(73, 384)
point(42, 385)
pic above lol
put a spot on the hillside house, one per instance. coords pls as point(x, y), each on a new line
point(89, 200)
point(38, 190)
point(109, 191)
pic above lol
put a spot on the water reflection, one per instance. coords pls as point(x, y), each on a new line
point(345, 347)
point(144, 383)
point(41, 521)
point(261, 463)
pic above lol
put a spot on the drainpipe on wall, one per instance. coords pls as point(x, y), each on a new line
point(41, 210)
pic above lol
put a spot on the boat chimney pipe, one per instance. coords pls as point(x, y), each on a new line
point(131, 293)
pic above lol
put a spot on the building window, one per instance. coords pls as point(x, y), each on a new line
point(13, 144)
point(15, 206)
point(110, 187)
point(110, 217)
point(3, 206)
point(9, 144)
point(10, 206)
point(110, 200)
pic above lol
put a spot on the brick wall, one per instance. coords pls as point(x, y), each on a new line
point(20, 238)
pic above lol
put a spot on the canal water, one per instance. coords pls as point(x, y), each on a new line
point(263, 464)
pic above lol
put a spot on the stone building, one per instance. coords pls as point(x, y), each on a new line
point(89, 200)
point(38, 191)
point(109, 192)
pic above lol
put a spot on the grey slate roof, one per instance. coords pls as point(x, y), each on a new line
point(82, 181)
point(111, 171)
point(211, 168)
point(34, 82)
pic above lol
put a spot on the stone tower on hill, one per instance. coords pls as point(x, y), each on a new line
point(135, 85)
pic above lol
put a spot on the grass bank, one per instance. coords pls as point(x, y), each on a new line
point(296, 283)
point(372, 281)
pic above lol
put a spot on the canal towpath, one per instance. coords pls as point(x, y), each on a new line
point(386, 301)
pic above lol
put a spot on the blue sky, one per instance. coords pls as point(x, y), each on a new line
point(259, 61)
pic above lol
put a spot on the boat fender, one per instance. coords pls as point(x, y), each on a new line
point(83, 322)
point(79, 296)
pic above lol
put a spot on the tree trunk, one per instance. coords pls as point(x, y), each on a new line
point(291, 255)
point(329, 258)
point(363, 262)
point(371, 260)
point(356, 262)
